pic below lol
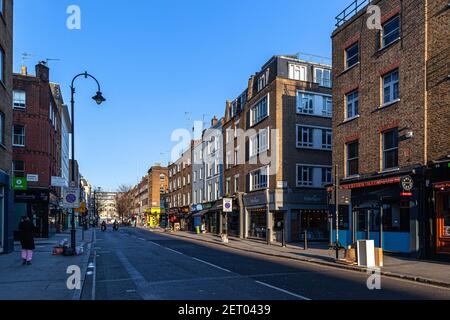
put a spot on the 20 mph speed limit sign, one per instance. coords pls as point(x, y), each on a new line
point(71, 198)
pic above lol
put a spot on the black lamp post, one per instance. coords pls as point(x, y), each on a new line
point(99, 99)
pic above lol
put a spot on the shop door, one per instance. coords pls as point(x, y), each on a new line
point(315, 223)
point(443, 222)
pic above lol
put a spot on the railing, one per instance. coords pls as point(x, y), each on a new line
point(350, 11)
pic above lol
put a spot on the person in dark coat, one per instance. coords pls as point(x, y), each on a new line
point(26, 240)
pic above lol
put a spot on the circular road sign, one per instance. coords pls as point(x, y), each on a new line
point(71, 198)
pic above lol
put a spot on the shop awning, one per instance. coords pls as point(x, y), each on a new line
point(201, 213)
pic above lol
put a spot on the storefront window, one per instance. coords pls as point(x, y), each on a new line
point(344, 219)
point(447, 216)
point(368, 220)
point(395, 218)
point(258, 224)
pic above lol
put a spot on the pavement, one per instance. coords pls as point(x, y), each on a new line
point(46, 278)
point(138, 264)
point(435, 273)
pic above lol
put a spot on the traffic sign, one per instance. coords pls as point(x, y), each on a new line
point(71, 198)
point(227, 205)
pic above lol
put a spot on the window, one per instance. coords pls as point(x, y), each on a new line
point(327, 176)
point(259, 111)
point(19, 169)
point(236, 156)
point(297, 72)
point(352, 55)
point(19, 99)
point(305, 176)
point(236, 184)
point(391, 87)
point(327, 110)
point(258, 179)
point(327, 139)
point(352, 154)
point(352, 103)
point(228, 160)
point(184, 181)
point(396, 218)
point(195, 176)
point(305, 137)
point(263, 80)
point(306, 103)
point(2, 128)
point(323, 77)
point(189, 179)
point(227, 186)
point(216, 188)
point(18, 136)
point(391, 31)
point(390, 149)
point(259, 143)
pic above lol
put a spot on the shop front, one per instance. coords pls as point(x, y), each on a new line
point(6, 244)
point(36, 205)
point(314, 222)
point(383, 211)
point(442, 198)
point(438, 180)
point(256, 205)
point(153, 217)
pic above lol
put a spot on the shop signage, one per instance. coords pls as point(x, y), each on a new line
point(406, 194)
point(442, 185)
point(59, 182)
point(19, 184)
point(255, 199)
point(32, 178)
point(227, 205)
point(71, 198)
point(407, 183)
point(373, 183)
point(447, 231)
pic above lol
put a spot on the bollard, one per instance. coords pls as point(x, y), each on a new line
point(268, 237)
point(306, 240)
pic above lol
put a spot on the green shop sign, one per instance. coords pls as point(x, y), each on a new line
point(19, 184)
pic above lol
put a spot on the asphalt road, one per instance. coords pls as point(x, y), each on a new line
point(135, 264)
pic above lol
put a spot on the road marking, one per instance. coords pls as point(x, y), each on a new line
point(174, 251)
point(156, 244)
point(284, 291)
point(139, 281)
point(212, 265)
point(142, 239)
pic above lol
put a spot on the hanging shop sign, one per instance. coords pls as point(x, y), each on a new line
point(407, 183)
point(19, 184)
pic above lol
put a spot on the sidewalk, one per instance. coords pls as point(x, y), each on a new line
point(435, 273)
point(46, 278)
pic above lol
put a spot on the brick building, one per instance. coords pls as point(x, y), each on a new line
point(391, 124)
point(158, 183)
point(278, 151)
point(178, 199)
point(6, 116)
point(36, 142)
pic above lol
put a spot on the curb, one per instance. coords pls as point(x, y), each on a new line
point(87, 253)
point(325, 263)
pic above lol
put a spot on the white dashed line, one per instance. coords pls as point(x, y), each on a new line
point(284, 291)
point(212, 265)
point(174, 251)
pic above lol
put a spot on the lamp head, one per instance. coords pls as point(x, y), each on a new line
point(99, 98)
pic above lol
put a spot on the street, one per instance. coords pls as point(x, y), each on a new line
point(136, 264)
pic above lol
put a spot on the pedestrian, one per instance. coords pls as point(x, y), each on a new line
point(26, 228)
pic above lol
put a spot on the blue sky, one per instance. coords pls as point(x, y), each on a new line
point(157, 60)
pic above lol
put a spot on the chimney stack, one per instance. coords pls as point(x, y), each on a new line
point(42, 71)
point(214, 121)
point(24, 71)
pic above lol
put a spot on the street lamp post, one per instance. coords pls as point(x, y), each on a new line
point(99, 99)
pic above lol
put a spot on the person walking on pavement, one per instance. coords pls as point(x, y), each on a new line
point(26, 228)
